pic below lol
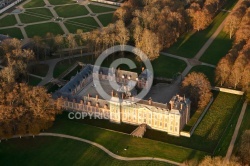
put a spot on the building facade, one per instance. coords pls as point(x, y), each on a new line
point(168, 117)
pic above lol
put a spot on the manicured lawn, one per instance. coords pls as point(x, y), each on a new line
point(8, 20)
point(58, 151)
point(100, 9)
point(39, 69)
point(71, 10)
point(218, 49)
point(106, 18)
point(85, 21)
point(34, 3)
point(25, 18)
point(33, 81)
point(208, 71)
point(167, 67)
point(190, 43)
point(86, 24)
point(222, 148)
point(42, 29)
point(136, 146)
point(35, 15)
point(61, 2)
point(245, 125)
point(43, 12)
point(12, 32)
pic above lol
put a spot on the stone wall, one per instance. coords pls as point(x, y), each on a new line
point(108, 2)
point(189, 134)
point(226, 90)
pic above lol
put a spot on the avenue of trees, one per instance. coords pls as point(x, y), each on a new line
point(233, 70)
point(23, 109)
point(197, 87)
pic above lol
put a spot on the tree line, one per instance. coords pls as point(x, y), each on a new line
point(150, 25)
point(23, 109)
point(233, 70)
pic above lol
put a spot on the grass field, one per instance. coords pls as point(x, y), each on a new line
point(218, 49)
point(39, 69)
point(12, 32)
point(100, 9)
point(61, 2)
point(72, 10)
point(34, 3)
point(42, 29)
point(136, 146)
point(31, 18)
point(58, 151)
point(190, 43)
point(167, 67)
point(33, 81)
point(245, 125)
point(86, 24)
point(106, 18)
point(8, 20)
point(208, 71)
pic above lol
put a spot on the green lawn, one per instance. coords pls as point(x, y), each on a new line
point(33, 81)
point(218, 49)
point(86, 24)
point(208, 71)
point(245, 125)
point(61, 2)
point(71, 10)
point(42, 29)
point(8, 20)
point(58, 151)
point(39, 69)
point(43, 12)
point(25, 18)
point(100, 9)
point(35, 15)
point(12, 32)
point(167, 67)
point(190, 43)
point(34, 3)
point(106, 18)
point(136, 146)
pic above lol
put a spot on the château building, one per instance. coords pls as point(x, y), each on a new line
point(79, 95)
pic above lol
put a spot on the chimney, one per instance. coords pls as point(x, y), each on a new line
point(150, 101)
point(88, 95)
point(89, 103)
point(112, 93)
point(96, 97)
point(181, 106)
point(171, 105)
